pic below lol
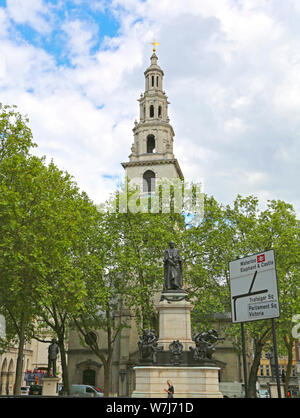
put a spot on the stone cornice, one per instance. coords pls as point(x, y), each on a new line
point(155, 93)
point(154, 124)
point(153, 68)
point(155, 162)
point(88, 363)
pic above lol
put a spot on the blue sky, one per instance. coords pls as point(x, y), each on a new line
point(232, 75)
point(54, 15)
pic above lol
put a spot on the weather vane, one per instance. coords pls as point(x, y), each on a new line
point(154, 43)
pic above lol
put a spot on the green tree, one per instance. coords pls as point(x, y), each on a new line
point(129, 246)
point(65, 219)
point(21, 260)
point(15, 135)
point(207, 247)
point(44, 225)
point(226, 233)
point(18, 254)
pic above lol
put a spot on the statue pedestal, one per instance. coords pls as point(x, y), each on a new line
point(189, 382)
point(174, 319)
point(191, 378)
point(50, 386)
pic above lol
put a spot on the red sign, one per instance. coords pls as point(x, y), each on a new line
point(260, 258)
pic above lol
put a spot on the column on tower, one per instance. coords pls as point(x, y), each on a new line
point(152, 150)
point(154, 102)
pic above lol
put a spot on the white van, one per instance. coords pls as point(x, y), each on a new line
point(85, 390)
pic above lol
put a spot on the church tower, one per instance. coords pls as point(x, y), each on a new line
point(152, 155)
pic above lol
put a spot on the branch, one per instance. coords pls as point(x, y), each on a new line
point(40, 340)
point(13, 319)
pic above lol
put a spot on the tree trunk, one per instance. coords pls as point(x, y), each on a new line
point(106, 366)
point(254, 369)
point(64, 365)
point(289, 345)
point(106, 360)
point(19, 367)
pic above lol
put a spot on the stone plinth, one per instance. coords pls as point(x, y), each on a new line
point(50, 386)
point(175, 320)
point(274, 391)
point(188, 382)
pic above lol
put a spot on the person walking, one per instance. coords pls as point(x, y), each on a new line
point(170, 390)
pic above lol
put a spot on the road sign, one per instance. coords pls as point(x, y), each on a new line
point(253, 288)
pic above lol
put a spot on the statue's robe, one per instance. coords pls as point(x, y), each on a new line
point(172, 270)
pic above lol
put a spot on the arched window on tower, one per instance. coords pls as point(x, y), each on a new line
point(150, 144)
point(151, 111)
point(152, 81)
point(159, 111)
point(148, 181)
point(157, 81)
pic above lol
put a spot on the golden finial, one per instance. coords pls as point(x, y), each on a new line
point(154, 43)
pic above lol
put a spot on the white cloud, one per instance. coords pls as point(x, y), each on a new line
point(241, 102)
point(81, 37)
point(3, 22)
point(231, 74)
point(255, 178)
point(234, 126)
point(32, 12)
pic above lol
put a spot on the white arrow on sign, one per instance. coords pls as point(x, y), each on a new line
point(249, 293)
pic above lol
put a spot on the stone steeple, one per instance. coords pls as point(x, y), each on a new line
point(152, 155)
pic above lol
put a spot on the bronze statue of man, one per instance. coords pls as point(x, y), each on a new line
point(172, 269)
point(53, 351)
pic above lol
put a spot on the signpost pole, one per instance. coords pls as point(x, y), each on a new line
point(244, 360)
point(276, 358)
